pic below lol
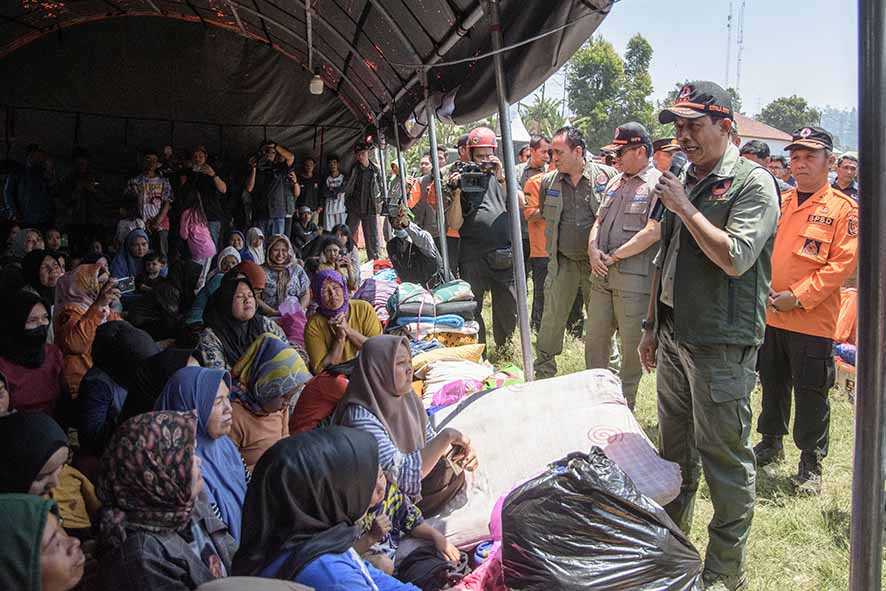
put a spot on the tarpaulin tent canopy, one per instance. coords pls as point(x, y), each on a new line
point(227, 73)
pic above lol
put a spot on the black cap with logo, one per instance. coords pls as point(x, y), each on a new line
point(697, 99)
point(813, 138)
point(627, 136)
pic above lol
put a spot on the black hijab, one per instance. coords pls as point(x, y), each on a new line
point(235, 335)
point(22, 347)
point(28, 440)
point(148, 380)
point(119, 347)
point(306, 494)
point(31, 272)
point(184, 275)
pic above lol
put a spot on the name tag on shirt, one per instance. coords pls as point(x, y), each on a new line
point(552, 193)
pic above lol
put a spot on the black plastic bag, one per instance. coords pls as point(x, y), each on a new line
point(582, 524)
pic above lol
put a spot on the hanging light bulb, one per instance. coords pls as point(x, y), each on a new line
point(316, 85)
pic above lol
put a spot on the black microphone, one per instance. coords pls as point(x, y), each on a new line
point(677, 164)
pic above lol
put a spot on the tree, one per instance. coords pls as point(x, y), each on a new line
point(543, 116)
point(606, 90)
point(789, 114)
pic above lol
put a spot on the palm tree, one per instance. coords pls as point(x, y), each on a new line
point(543, 116)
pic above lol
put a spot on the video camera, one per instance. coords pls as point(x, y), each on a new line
point(473, 181)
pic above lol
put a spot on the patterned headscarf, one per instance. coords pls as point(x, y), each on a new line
point(320, 277)
point(79, 287)
point(145, 477)
point(269, 369)
point(284, 270)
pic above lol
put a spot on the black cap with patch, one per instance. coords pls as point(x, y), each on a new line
point(666, 144)
point(697, 99)
point(813, 138)
point(627, 136)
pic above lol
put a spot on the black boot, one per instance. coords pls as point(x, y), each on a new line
point(808, 478)
point(769, 451)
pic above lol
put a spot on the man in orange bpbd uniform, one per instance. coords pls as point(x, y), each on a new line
point(815, 248)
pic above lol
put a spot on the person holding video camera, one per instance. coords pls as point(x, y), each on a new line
point(271, 186)
point(568, 200)
point(479, 213)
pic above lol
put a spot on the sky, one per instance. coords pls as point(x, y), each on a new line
point(803, 47)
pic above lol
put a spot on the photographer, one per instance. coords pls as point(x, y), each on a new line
point(479, 213)
point(271, 187)
point(412, 251)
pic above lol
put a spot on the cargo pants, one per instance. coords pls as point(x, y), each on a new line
point(704, 415)
point(560, 291)
point(614, 310)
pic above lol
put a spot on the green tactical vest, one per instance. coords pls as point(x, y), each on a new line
point(551, 204)
point(710, 307)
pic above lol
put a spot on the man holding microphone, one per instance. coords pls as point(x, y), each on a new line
point(706, 320)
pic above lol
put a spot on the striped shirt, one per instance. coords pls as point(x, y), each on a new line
point(404, 468)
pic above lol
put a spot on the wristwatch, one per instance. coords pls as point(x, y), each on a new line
point(647, 324)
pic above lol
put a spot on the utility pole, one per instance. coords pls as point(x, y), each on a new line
point(740, 46)
point(728, 45)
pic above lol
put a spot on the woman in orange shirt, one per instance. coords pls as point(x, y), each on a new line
point(82, 303)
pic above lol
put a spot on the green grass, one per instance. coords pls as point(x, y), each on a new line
point(796, 543)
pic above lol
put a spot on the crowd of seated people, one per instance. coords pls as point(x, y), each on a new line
point(166, 427)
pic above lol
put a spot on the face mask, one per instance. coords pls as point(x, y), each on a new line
point(35, 337)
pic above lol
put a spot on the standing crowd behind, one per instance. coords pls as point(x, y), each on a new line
point(197, 393)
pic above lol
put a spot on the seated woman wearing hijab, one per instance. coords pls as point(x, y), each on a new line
point(380, 401)
point(271, 373)
point(223, 469)
point(41, 271)
point(307, 495)
point(333, 257)
point(237, 240)
point(156, 530)
point(33, 368)
point(117, 350)
point(128, 262)
point(285, 276)
point(231, 324)
point(83, 301)
point(255, 245)
point(337, 332)
point(35, 462)
point(37, 554)
point(227, 260)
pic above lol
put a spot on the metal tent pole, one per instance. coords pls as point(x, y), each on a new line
point(381, 156)
point(504, 118)
point(866, 543)
point(435, 165)
point(400, 162)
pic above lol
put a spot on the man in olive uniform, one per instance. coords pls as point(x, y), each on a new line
point(568, 200)
point(706, 319)
point(621, 250)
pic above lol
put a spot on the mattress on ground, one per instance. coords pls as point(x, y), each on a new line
point(516, 431)
point(464, 309)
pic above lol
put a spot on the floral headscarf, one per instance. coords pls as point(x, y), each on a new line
point(284, 270)
point(79, 287)
point(270, 368)
point(145, 477)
